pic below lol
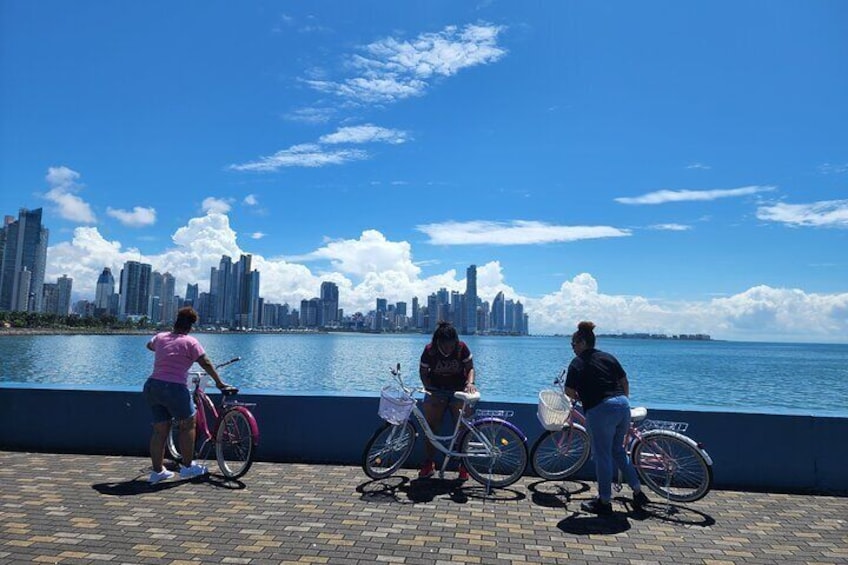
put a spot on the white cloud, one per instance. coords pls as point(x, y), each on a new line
point(63, 185)
point(670, 227)
point(663, 196)
point(517, 232)
point(373, 266)
point(139, 216)
point(826, 213)
point(257, 235)
point(304, 155)
point(311, 115)
point(251, 200)
point(759, 313)
point(366, 133)
point(699, 166)
point(833, 168)
point(392, 69)
point(216, 205)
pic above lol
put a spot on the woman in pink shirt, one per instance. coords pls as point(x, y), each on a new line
point(169, 397)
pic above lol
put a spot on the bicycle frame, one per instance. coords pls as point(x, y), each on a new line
point(205, 406)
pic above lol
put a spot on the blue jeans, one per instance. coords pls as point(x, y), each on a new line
point(607, 424)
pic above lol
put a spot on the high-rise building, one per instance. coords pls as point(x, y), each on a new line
point(191, 295)
point(498, 313)
point(470, 318)
point(135, 289)
point(168, 299)
point(329, 304)
point(65, 285)
point(103, 294)
point(24, 259)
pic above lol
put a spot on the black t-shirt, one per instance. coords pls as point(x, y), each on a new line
point(447, 371)
point(595, 375)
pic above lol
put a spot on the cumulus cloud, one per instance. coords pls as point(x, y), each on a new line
point(373, 266)
point(250, 200)
point(517, 232)
point(257, 235)
point(216, 205)
point(138, 217)
point(664, 196)
point(63, 188)
point(392, 69)
point(826, 214)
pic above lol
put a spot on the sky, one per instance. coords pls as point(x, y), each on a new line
point(668, 167)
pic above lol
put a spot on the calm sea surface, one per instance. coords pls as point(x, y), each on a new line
point(749, 377)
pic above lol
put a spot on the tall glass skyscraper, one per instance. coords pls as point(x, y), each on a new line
point(135, 289)
point(470, 317)
point(103, 294)
point(24, 259)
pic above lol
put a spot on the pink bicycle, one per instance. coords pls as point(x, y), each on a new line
point(669, 463)
point(234, 429)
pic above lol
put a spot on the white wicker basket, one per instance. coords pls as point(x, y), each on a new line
point(554, 408)
point(395, 405)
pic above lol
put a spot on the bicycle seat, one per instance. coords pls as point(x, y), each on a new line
point(467, 396)
point(229, 391)
point(638, 414)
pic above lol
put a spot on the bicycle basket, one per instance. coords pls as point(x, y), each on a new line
point(554, 408)
point(395, 405)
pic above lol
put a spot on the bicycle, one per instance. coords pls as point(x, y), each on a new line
point(234, 428)
point(492, 449)
point(669, 463)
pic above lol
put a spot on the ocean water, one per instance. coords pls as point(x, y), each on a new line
point(735, 376)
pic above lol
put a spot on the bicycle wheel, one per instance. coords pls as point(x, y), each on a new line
point(497, 457)
point(672, 466)
point(388, 449)
point(557, 455)
point(173, 441)
point(234, 445)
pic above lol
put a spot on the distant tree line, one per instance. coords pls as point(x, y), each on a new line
point(41, 320)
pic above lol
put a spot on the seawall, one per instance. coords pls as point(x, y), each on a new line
point(752, 452)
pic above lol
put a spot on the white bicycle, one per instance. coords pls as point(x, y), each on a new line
point(493, 450)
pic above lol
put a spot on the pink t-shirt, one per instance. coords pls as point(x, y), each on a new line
point(175, 354)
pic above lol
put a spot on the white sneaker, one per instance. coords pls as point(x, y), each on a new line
point(194, 471)
point(163, 475)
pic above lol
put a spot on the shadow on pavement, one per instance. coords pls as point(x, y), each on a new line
point(555, 494)
point(588, 524)
point(401, 490)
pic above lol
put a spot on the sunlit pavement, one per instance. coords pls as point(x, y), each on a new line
point(100, 509)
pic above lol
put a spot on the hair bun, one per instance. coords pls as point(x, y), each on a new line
point(585, 326)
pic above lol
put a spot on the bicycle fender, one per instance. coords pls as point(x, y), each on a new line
point(254, 427)
point(505, 423)
point(682, 438)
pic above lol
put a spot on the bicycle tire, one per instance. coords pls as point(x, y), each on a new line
point(173, 441)
point(558, 454)
point(507, 462)
point(235, 447)
point(388, 449)
point(673, 466)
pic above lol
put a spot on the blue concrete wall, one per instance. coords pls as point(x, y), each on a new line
point(749, 451)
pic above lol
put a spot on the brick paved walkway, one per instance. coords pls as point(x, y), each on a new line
point(92, 509)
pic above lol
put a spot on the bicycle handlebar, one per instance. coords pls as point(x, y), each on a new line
point(230, 362)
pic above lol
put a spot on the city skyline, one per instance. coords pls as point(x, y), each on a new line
point(672, 169)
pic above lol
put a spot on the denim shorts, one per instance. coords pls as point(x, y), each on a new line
point(168, 400)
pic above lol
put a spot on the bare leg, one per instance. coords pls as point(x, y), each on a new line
point(434, 411)
point(187, 440)
point(157, 444)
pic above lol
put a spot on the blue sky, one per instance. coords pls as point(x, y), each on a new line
point(663, 166)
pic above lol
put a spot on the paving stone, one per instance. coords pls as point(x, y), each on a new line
point(53, 511)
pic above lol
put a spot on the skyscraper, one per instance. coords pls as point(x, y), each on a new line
point(103, 301)
point(65, 285)
point(329, 304)
point(470, 318)
point(498, 313)
point(135, 289)
point(24, 258)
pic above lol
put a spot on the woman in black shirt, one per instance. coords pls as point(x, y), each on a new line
point(597, 379)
